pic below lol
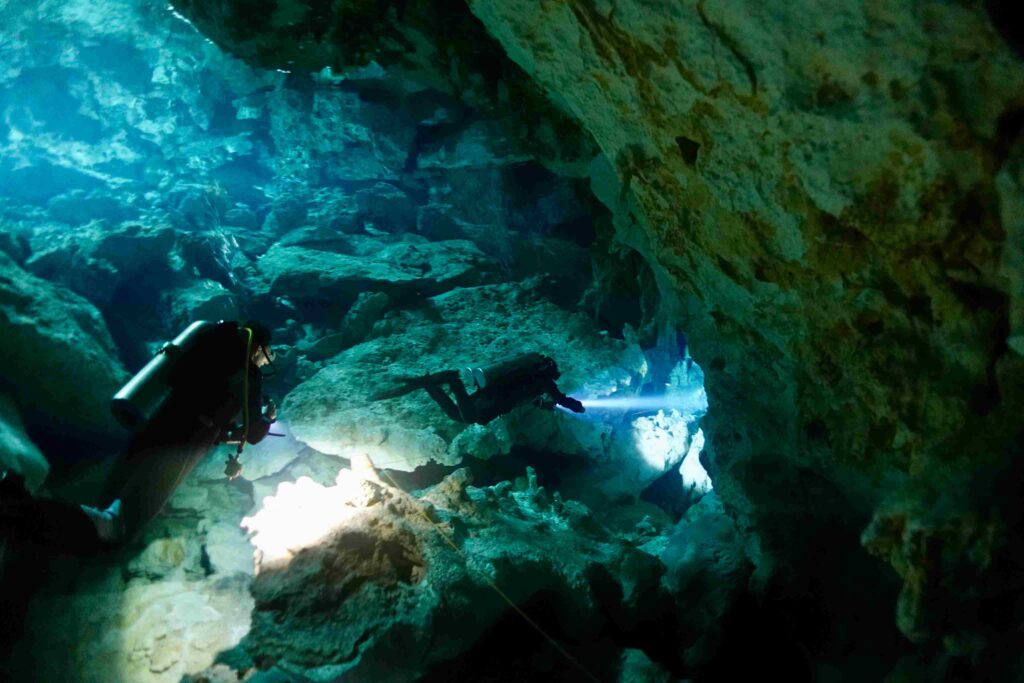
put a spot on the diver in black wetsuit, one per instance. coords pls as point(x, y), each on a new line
point(499, 388)
point(179, 411)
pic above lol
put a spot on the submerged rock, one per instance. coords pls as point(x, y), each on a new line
point(62, 365)
point(17, 452)
point(707, 574)
point(405, 267)
point(332, 412)
point(152, 631)
point(203, 300)
point(401, 585)
point(832, 221)
point(638, 668)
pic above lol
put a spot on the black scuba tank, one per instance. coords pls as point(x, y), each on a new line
point(142, 397)
point(507, 370)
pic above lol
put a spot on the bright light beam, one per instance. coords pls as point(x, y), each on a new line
point(301, 514)
point(691, 401)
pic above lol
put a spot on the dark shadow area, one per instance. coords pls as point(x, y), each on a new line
point(670, 494)
point(512, 651)
point(1008, 19)
point(827, 577)
point(551, 468)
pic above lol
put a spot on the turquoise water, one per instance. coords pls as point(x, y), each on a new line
point(382, 230)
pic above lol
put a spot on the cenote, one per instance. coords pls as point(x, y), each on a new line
point(496, 340)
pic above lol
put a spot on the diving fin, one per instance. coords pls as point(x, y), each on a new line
point(410, 384)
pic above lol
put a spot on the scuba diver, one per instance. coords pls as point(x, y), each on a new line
point(185, 401)
point(498, 388)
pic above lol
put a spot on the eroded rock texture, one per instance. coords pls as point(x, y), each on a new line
point(829, 200)
point(404, 588)
point(62, 366)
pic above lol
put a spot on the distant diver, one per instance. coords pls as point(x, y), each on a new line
point(185, 401)
point(497, 389)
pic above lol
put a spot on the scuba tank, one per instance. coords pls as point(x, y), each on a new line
point(510, 369)
point(139, 400)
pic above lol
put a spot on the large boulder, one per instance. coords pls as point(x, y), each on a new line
point(62, 366)
point(405, 267)
point(17, 452)
point(96, 259)
point(392, 573)
point(706, 574)
point(156, 613)
point(201, 300)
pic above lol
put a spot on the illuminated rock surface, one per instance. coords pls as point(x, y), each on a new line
point(403, 584)
point(160, 610)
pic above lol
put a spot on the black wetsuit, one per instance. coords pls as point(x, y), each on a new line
point(529, 378)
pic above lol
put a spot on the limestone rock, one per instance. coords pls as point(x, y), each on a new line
point(830, 220)
point(332, 412)
point(427, 267)
point(386, 208)
point(204, 300)
point(152, 632)
point(95, 259)
point(706, 574)
point(15, 245)
point(62, 365)
point(79, 207)
point(388, 580)
point(638, 668)
point(17, 452)
point(355, 327)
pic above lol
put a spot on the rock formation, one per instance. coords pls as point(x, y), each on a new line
point(828, 199)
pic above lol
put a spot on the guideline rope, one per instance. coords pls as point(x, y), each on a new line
point(494, 586)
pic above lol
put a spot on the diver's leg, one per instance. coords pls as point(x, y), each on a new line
point(468, 404)
point(444, 401)
point(149, 472)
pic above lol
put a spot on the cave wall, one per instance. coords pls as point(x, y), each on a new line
point(829, 199)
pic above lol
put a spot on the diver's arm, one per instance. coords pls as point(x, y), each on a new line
point(407, 385)
point(565, 401)
point(262, 414)
point(259, 419)
point(258, 429)
point(446, 404)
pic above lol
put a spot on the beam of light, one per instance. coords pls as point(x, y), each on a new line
point(692, 401)
point(302, 514)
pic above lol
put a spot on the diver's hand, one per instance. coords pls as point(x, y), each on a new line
point(573, 405)
point(233, 467)
point(270, 410)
